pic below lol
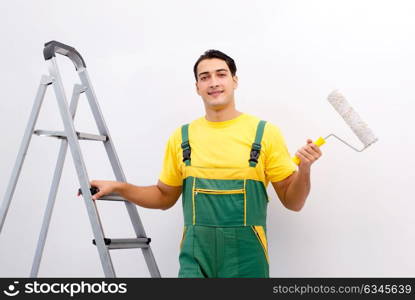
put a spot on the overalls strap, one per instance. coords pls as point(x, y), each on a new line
point(185, 144)
point(256, 146)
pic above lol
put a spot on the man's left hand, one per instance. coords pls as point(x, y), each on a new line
point(308, 154)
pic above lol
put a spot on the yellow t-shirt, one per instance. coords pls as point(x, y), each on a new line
point(227, 144)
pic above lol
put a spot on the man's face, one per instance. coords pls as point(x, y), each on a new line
point(215, 83)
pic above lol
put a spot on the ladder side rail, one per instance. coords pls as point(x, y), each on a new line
point(40, 95)
point(116, 166)
point(81, 170)
point(77, 90)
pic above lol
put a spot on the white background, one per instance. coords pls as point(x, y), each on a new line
point(359, 217)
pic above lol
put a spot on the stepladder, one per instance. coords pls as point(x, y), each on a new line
point(69, 138)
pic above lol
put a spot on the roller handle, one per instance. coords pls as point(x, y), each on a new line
point(53, 47)
point(319, 142)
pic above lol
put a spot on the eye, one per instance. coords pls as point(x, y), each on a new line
point(222, 75)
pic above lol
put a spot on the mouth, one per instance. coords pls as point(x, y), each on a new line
point(215, 93)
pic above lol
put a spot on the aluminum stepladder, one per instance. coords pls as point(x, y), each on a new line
point(71, 137)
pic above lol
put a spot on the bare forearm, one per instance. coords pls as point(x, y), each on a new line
point(145, 196)
point(298, 190)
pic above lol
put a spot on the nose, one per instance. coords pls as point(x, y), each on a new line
point(214, 82)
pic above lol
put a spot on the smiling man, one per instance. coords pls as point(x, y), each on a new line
point(221, 164)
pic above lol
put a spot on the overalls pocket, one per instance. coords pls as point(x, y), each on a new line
point(219, 207)
point(262, 239)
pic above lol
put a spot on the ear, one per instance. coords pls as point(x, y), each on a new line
point(197, 88)
point(235, 80)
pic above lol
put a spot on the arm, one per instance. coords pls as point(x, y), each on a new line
point(293, 190)
point(160, 196)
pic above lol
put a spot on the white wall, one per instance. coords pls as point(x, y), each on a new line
point(358, 220)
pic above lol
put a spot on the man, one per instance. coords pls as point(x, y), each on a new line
point(222, 163)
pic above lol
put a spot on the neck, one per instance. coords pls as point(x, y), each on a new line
point(222, 114)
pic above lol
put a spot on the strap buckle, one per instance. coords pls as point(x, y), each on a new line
point(186, 154)
point(255, 151)
point(186, 150)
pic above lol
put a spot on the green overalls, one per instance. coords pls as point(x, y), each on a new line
point(224, 212)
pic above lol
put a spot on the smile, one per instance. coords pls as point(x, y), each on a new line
point(215, 93)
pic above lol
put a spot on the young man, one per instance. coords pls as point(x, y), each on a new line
point(222, 163)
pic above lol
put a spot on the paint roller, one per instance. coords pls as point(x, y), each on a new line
point(351, 117)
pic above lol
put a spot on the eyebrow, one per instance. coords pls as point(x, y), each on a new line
point(218, 70)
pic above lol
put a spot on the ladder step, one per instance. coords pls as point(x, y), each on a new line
point(112, 197)
point(81, 135)
point(126, 243)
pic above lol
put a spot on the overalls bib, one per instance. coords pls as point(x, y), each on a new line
point(224, 212)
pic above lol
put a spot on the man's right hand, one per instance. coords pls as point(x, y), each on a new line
point(104, 187)
point(159, 196)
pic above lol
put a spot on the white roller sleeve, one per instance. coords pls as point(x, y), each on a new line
point(351, 117)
